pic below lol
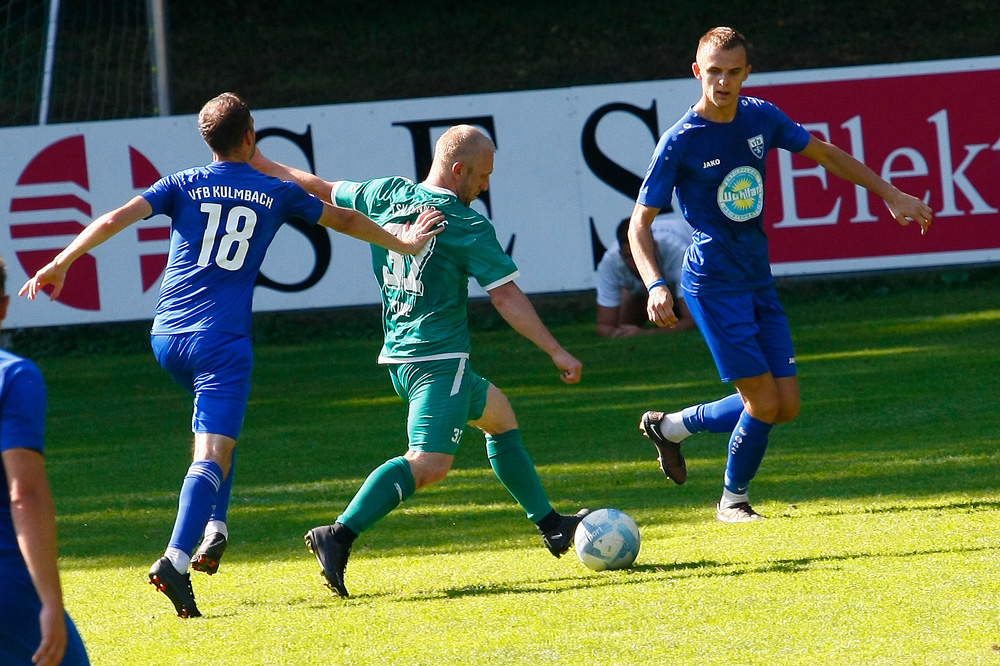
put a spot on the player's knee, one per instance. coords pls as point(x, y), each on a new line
point(764, 406)
point(788, 411)
point(428, 469)
point(424, 480)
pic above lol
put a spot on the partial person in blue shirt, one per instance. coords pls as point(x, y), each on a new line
point(223, 218)
point(714, 159)
point(35, 629)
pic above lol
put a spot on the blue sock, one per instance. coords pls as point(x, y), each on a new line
point(198, 492)
point(746, 450)
point(225, 490)
point(718, 416)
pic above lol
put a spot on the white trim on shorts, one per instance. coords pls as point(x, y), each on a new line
point(457, 384)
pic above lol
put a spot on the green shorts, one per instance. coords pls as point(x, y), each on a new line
point(443, 397)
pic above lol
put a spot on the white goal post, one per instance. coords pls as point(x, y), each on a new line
point(83, 60)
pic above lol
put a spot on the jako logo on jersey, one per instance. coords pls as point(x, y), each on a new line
point(47, 189)
point(757, 146)
point(741, 194)
point(711, 163)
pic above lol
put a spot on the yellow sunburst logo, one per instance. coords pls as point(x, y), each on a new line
point(741, 194)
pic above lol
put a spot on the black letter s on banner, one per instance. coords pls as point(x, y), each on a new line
point(317, 236)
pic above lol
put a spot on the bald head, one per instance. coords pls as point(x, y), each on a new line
point(463, 162)
point(461, 143)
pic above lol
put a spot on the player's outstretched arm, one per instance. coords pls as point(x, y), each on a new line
point(33, 513)
point(517, 310)
point(409, 241)
point(350, 222)
point(903, 207)
point(311, 183)
point(98, 231)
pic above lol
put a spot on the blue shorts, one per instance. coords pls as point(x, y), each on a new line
point(215, 368)
point(443, 397)
point(748, 334)
point(20, 633)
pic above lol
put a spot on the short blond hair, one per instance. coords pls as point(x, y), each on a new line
point(460, 143)
point(723, 39)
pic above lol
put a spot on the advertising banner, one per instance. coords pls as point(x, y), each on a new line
point(568, 166)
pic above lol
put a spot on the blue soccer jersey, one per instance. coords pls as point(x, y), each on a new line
point(224, 217)
point(22, 425)
point(718, 171)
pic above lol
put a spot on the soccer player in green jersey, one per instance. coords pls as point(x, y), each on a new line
point(426, 349)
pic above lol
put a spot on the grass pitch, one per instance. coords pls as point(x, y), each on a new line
point(881, 547)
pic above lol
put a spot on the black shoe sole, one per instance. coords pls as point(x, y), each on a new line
point(182, 610)
point(205, 565)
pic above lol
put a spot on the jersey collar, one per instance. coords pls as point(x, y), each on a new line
point(439, 190)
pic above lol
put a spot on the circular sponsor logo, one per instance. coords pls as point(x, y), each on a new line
point(741, 194)
point(51, 204)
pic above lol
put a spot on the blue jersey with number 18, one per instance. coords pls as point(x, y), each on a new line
point(223, 218)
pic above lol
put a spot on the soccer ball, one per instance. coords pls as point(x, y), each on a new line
point(607, 539)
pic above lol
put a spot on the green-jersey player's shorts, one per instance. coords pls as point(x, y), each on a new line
point(443, 397)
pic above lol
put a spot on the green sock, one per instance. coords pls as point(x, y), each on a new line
point(385, 488)
point(513, 466)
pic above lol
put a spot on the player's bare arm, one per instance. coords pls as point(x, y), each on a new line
point(514, 306)
point(609, 323)
point(350, 222)
point(411, 239)
point(33, 513)
point(904, 207)
point(660, 304)
point(310, 182)
point(98, 231)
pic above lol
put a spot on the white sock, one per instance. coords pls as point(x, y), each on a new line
point(214, 526)
point(673, 428)
point(178, 558)
point(732, 499)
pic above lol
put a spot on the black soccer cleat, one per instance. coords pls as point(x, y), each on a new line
point(206, 558)
point(670, 458)
point(177, 586)
point(332, 556)
point(560, 539)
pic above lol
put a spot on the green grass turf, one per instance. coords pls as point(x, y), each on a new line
point(881, 547)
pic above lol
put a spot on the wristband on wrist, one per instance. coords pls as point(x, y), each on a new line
point(656, 283)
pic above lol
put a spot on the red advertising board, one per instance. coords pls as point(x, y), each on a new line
point(932, 135)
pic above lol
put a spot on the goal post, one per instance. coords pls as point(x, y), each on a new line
point(83, 60)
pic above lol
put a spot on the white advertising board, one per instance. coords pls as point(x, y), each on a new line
point(568, 166)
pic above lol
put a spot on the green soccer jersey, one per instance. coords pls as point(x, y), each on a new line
point(424, 296)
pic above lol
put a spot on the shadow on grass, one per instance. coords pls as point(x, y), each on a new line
point(472, 517)
point(642, 575)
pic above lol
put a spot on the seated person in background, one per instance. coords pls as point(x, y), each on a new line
point(621, 295)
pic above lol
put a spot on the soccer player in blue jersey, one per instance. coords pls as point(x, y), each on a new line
point(714, 158)
point(34, 627)
point(427, 347)
point(223, 217)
